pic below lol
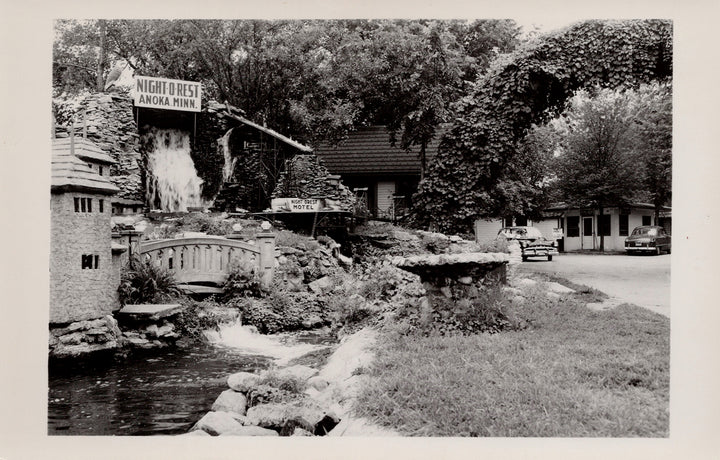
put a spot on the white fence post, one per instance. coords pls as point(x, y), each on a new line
point(266, 243)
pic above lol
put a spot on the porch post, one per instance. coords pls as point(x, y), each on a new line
point(266, 242)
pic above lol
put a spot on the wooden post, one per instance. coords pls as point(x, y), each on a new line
point(266, 242)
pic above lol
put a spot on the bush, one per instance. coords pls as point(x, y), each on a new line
point(144, 282)
point(496, 245)
point(288, 383)
point(294, 240)
point(198, 317)
point(243, 281)
point(488, 312)
point(206, 223)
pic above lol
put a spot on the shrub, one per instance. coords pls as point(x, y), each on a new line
point(294, 240)
point(348, 310)
point(496, 245)
point(488, 312)
point(243, 281)
point(288, 383)
point(206, 223)
point(198, 317)
point(144, 282)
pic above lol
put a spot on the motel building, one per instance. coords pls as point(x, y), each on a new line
point(580, 229)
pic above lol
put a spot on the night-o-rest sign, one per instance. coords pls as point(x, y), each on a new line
point(295, 204)
point(163, 93)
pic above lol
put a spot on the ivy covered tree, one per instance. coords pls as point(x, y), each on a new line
point(475, 173)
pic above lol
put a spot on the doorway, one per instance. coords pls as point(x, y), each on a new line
point(588, 237)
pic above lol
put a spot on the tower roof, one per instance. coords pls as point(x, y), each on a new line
point(69, 173)
point(83, 149)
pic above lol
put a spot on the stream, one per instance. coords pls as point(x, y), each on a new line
point(161, 391)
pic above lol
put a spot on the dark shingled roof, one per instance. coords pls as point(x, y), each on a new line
point(368, 151)
point(71, 173)
point(83, 149)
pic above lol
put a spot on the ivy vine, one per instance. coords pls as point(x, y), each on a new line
point(473, 174)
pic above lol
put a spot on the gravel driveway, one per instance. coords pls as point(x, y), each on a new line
point(641, 280)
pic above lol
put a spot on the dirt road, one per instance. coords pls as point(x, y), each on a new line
point(640, 280)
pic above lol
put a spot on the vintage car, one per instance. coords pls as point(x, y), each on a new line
point(648, 239)
point(531, 241)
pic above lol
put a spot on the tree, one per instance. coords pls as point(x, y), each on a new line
point(310, 79)
point(474, 167)
point(599, 165)
point(654, 127)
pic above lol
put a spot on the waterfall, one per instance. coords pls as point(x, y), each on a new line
point(247, 339)
point(229, 164)
point(172, 182)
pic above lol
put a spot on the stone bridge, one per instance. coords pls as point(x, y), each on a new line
point(201, 264)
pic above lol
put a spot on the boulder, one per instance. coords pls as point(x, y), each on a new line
point(278, 415)
point(312, 321)
point(151, 331)
point(71, 339)
point(298, 372)
point(165, 330)
point(301, 432)
point(317, 383)
point(217, 423)
point(321, 285)
point(559, 288)
point(230, 401)
point(286, 417)
point(243, 381)
point(263, 394)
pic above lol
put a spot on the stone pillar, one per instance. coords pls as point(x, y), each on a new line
point(266, 243)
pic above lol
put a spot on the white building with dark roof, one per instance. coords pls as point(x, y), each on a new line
point(367, 159)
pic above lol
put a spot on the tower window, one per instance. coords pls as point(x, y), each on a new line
point(90, 261)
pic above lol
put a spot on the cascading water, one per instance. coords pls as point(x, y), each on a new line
point(229, 164)
point(172, 183)
point(281, 347)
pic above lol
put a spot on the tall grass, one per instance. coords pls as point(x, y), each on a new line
point(575, 372)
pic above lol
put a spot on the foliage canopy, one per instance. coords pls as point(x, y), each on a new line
point(480, 170)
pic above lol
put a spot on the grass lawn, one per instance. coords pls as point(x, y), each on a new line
point(574, 373)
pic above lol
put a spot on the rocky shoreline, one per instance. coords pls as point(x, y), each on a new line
point(296, 400)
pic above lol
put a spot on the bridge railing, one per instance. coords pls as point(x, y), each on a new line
point(206, 259)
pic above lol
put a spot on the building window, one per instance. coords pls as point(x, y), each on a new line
point(646, 220)
point(83, 204)
point(624, 226)
point(604, 225)
point(100, 170)
point(90, 261)
point(573, 226)
point(100, 205)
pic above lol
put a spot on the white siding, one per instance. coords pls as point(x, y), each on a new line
point(385, 192)
point(614, 242)
point(486, 230)
point(545, 226)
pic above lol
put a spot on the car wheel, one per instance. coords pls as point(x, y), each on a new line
point(668, 250)
point(657, 251)
point(549, 258)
